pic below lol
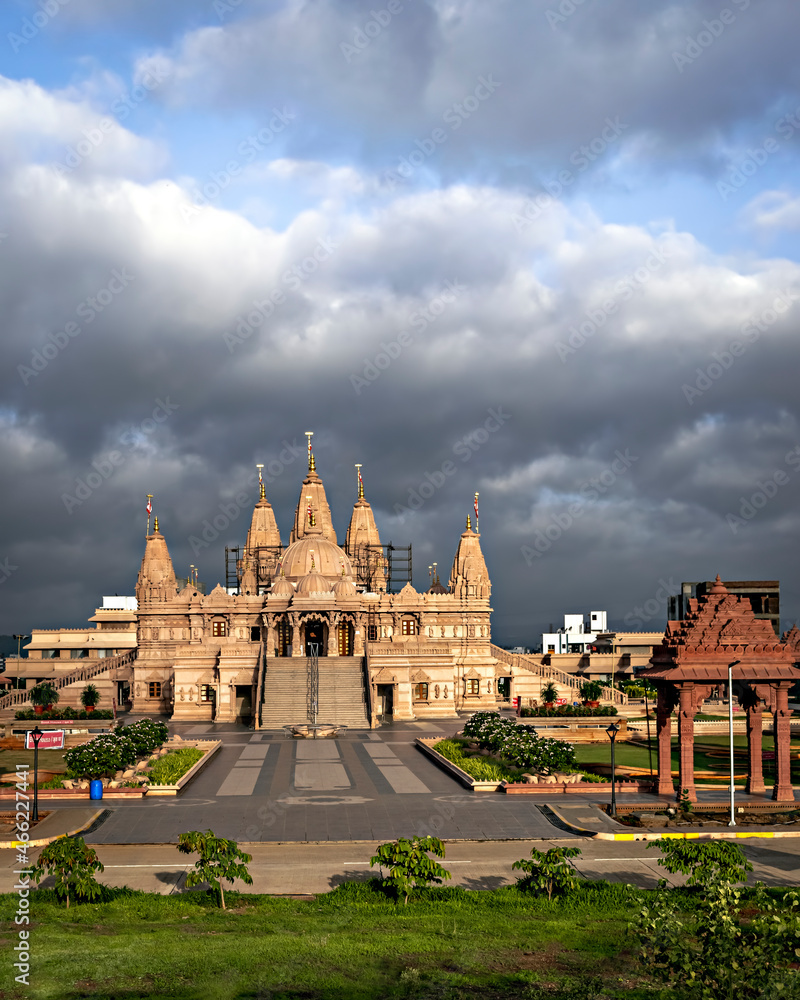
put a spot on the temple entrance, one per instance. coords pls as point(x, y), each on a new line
point(344, 635)
point(244, 704)
point(315, 635)
point(504, 689)
point(385, 701)
point(283, 639)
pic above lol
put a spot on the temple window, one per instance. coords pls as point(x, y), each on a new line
point(420, 692)
point(79, 654)
point(206, 692)
point(255, 633)
point(218, 629)
point(473, 686)
point(372, 633)
point(154, 689)
point(409, 626)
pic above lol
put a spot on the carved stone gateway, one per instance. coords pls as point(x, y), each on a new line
point(693, 660)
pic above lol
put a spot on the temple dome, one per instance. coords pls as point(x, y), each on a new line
point(344, 588)
point(282, 588)
point(312, 585)
point(327, 558)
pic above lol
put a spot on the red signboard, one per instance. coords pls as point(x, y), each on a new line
point(53, 739)
point(561, 701)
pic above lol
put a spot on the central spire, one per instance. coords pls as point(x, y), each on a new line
point(312, 515)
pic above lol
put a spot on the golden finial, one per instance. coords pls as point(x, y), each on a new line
point(263, 495)
point(313, 566)
point(155, 525)
point(469, 523)
point(360, 481)
point(311, 464)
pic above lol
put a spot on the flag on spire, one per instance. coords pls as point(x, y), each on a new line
point(477, 519)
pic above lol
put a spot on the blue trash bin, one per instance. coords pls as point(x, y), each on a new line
point(96, 789)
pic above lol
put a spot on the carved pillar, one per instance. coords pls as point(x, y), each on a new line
point(294, 627)
point(686, 713)
point(782, 792)
point(664, 731)
point(755, 773)
point(333, 633)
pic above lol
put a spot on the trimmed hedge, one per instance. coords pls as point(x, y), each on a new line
point(111, 752)
point(521, 746)
point(567, 711)
point(57, 714)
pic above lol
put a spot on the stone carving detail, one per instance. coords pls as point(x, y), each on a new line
point(436, 690)
point(445, 691)
point(181, 695)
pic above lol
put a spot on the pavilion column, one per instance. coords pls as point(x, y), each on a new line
point(783, 791)
point(333, 634)
point(295, 636)
point(686, 712)
point(755, 772)
point(664, 731)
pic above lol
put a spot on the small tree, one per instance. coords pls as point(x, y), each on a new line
point(704, 861)
point(548, 871)
point(591, 690)
point(73, 864)
point(409, 865)
point(90, 696)
point(219, 859)
point(549, 693)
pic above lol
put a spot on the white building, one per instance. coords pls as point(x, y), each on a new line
point(577, 635)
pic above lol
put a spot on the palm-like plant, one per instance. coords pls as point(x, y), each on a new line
point(43, 694)
point(90, 697)
point(549, 693)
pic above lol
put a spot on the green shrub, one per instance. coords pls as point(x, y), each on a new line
point(520, 745)
point(703, 861)
point(220, 859)
point(111, 752)
point(548, 871)
point(73, 864)
point(409, 864)
point(167, 770)
point(478, 768)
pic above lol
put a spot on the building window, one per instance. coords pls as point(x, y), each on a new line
point(218, 629)
point(420, 692)
point(372, 633)
point(206, 692)
point(154, 689)
point(255, 633)
point(551, 649)
point(409, 626)
point(51, 654)
point(79, 654)
point(473, 686)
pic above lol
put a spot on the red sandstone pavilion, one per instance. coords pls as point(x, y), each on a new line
point(693, 660)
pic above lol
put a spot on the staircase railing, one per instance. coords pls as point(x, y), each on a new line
point(262, 664)
point(312, 664)
point(368, 687)
point(548, 673)
point(85, 673)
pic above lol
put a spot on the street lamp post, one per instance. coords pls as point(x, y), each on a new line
point(612, 731)
point(730, 728)
point(36, 735)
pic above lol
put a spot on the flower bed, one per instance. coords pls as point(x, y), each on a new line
point(520, 746)
point(567, 711)
point(62, 714)
point(112, 752)
point(479, 768)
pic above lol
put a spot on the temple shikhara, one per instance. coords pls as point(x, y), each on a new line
point(311, 630)
point(721, 630)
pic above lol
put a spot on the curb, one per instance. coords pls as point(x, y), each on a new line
point(687, 835)
point(15, 844)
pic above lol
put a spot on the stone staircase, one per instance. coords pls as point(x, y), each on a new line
point(341, 692)
point(86, 672)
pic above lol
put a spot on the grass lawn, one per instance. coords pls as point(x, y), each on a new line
point(49, 760)
point(710, 754)
point(351, 944)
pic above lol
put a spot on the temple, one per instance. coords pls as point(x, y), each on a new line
point(311, 631)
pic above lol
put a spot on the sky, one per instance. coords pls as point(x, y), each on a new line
point(542, 250)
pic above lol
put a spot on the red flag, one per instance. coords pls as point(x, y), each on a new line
point(476, 510)
point(149, 506)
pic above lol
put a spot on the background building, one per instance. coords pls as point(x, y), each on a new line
point(764, 597)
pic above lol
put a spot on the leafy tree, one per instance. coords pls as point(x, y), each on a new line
point(703, 861)
point(719, 949)
point(409, 865)
point(219, 859)
point(73, 864)
point(549, 871)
